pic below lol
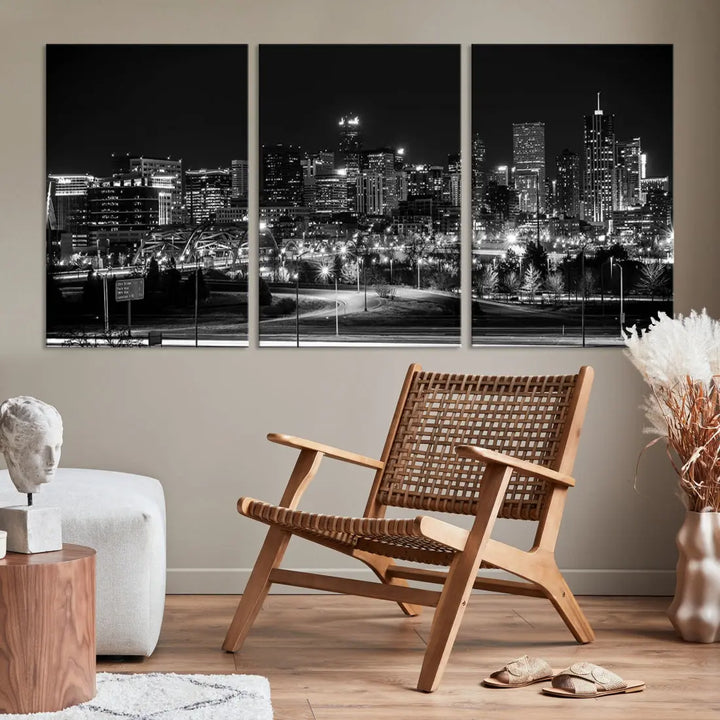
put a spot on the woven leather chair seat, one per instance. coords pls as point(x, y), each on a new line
point(396, 538)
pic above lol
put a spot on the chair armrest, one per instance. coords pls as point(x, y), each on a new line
point(333, 452)
point(525, 467)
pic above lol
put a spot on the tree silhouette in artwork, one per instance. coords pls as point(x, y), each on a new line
point(555, 285)
point(487, 280)
point(654, 280)
point(532, 282)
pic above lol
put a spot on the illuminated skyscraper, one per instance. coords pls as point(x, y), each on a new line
point(282, 176)
point(628, 159)
point(206, 191)
point(438, 181)
point(419, 183)
point(68, 194)
point(166, 174)
point(567, 186)
point(500, 175)
point(122, 208)
point(322, 164)
point(330, 194)
point(371, 193)
point(239, 179)
point(659, 206)
point(145, 166)
point(600, 161)
point(454, 169)
point(529, 161)
point(379, 166)
point(350, 140)
point(348, 156)
point(479, 179)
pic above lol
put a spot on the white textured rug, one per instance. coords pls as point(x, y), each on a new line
point(166, 696)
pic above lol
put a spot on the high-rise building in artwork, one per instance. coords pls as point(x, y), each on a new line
point(500, 175)
point(655, 183)
point(439, 181)
point(567, 184)
point(330, 193)
point(371, 193)
point(529, 162)
point(419, 183)
point(380, 163)
point(145, 166)
point(281, 181)
point(600, 162)
point(628, 159)
point(319, 164)
point(239, 180)
point(659, 207)
point(122, 208)
point(454, 171)
point(206, 192)
point(478, 175)
point(348, 154)
point(164, 173)
point(68, 195)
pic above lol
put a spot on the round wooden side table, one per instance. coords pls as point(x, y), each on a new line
point(47, 630)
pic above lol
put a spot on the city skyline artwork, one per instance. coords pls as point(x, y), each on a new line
point(146, 195)
point(359, 195)
point(359, 176)
point(571, 175)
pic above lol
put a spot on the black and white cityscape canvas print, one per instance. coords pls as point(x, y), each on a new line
point(147, 181)
point(359, 194)
point(571, 192)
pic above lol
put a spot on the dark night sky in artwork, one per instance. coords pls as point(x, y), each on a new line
point(183, 101)
point(558, 85)
point(405, 95)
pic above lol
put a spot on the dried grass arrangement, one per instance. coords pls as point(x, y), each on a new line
point(680, 360)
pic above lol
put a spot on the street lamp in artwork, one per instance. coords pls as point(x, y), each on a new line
point(583, 297)
point(390, 251)
point(360, 247)
point(297, 254)
point(325, 273)
point(417, 244)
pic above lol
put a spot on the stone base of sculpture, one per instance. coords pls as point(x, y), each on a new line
point(31, 529)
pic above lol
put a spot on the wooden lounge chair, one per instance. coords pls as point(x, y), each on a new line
point(482, 446)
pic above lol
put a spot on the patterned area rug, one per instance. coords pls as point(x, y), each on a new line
point(166, 696)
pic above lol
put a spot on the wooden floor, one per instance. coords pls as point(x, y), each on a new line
point(338, 658)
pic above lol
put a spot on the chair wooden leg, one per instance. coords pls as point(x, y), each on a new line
point(257, 588)
point(445, 625)
point(380, 565)
point(560, 595)
point(461, 577)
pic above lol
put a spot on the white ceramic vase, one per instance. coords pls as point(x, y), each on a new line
point(695, 609)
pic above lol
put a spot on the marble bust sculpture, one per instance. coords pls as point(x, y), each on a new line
point(31, 435)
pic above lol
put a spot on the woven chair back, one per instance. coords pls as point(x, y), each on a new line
point(526, 417)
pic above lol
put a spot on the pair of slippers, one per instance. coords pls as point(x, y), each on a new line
point(580, 680)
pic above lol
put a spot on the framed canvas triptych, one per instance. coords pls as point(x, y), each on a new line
point(360, 216)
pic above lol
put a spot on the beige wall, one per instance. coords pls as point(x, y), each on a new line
point(197, 419)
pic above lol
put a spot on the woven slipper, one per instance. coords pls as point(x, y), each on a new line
point(520, 673)
point(585, 680)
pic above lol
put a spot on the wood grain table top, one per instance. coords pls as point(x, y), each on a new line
point(67, 554)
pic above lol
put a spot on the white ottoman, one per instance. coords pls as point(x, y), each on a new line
point(122, 516)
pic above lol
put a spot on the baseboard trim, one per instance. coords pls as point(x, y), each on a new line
point(231, 581)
